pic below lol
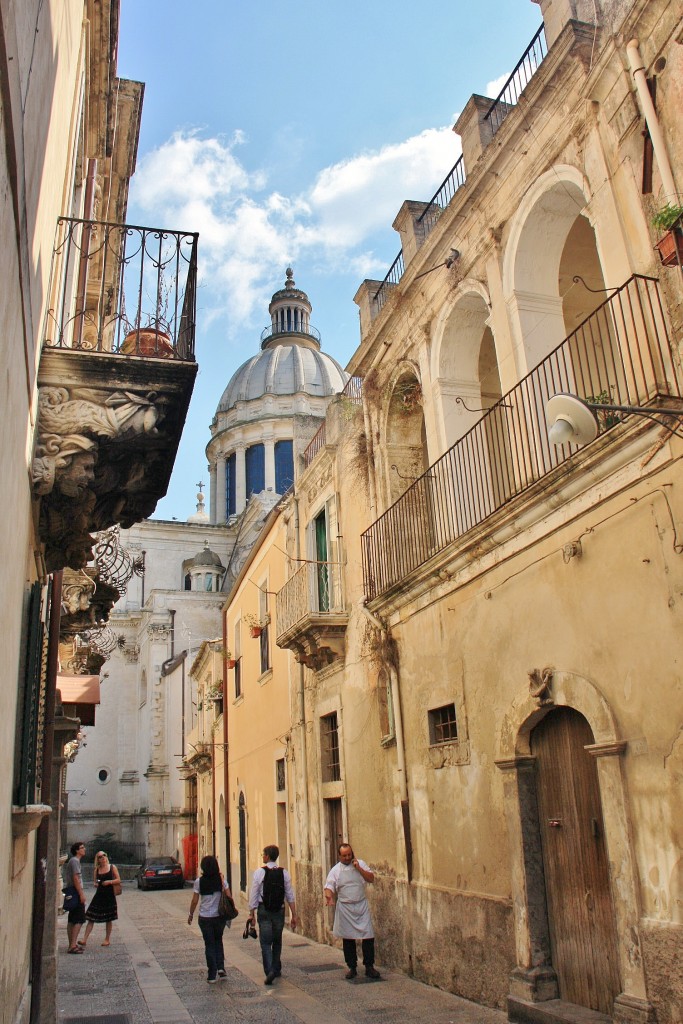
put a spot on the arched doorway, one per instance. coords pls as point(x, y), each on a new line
point(581, 917)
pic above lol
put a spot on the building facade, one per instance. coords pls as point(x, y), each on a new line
point(492, 700)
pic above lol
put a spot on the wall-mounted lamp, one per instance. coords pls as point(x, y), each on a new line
point(573, 420)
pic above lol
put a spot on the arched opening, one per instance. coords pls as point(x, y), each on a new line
point(554, 273)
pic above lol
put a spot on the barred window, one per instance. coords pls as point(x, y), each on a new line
point(443, 726)
point(329, 748)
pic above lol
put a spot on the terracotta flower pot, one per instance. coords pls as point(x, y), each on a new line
point(670, 248)
point(148, 341)
point(232, 662)
point(256, 631)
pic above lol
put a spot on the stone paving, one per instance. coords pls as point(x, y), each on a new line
point(154, 973)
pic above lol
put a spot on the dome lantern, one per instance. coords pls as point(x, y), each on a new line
point(290, 314)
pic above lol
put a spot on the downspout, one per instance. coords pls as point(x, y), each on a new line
point(651, 119)
point(400, 745)
point(226, 771)
point(301, 700)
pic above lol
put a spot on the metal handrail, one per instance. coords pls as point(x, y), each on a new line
point(123, 289)
point(455, 178)
point(620, 354)
point(353, 390)
point(393, 276)
point(315, 444)
point(524, 70)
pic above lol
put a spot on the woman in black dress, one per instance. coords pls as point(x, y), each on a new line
point(102, 909)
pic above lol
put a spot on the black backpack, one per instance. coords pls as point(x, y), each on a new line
point(273, 889)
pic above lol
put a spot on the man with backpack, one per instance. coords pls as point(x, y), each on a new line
point(270, 887)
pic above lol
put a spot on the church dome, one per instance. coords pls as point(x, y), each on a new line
point(205, 557)
point(290, 361)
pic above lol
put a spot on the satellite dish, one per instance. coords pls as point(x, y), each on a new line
point(570, 421)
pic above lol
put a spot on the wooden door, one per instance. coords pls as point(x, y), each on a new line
point(580, 912)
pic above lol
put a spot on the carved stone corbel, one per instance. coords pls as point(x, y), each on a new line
point(539, 686)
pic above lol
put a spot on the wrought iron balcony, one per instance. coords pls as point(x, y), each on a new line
point(115, 379)
point(121, 288)
point(310, 614)
point(620, 354)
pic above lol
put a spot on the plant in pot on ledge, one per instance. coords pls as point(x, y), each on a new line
point(255, 625)
point(670, 245)
point(150, 334)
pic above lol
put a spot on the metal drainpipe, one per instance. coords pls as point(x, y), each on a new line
point(301, 694)
point(651, 119)
point(400, 746)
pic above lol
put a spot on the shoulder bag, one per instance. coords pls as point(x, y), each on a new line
point(226, 907)
point(71, 898)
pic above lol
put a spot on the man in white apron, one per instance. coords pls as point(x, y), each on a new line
point(346, 881)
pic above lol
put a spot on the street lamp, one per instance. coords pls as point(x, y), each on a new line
point(574, 420)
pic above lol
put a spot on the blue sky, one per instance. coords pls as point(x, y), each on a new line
point(291, 133)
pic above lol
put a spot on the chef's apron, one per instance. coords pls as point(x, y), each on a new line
point(352, 913)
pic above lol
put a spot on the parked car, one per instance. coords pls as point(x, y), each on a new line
point(160, 873)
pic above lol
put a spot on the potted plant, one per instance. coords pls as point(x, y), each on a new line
point(232, 662)
point(670, 245)
point(256, 627)
point(150, 334)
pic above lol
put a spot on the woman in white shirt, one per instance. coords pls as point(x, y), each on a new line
point(207, 892)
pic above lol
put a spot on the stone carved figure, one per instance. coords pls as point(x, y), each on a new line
point(539, 685)
point(69, 424)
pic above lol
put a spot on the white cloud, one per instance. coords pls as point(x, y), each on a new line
point(248, 232)
point(493, 88)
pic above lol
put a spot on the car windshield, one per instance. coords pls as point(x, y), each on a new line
point(160, 862)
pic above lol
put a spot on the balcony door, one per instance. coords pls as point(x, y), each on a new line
point(322, 551)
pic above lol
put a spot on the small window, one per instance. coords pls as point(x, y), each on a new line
point(329, 748)
point(443, 727)
point(238, 661)
point(280, 775)
point(103, 776)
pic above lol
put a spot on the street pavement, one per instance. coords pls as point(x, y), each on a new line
point(154, 972)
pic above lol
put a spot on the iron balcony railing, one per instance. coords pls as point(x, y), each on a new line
point(314, 590)
point(353, 390)
point(619, 355)
point(524, 71)
point(394, 275)
point(277, 332)
point(315, 444)
point(123, 289)
point(437, 204)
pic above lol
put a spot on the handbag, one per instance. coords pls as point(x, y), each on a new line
point(226, 907)
point(117, 887)
point(71, 898)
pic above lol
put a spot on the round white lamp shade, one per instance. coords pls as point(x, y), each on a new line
point(570, 421)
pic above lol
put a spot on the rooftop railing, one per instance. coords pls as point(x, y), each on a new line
point(123, 289)
point(524, 71)
point(353, 390)
point(619, 355)
point(443, 195)
point(314, 445)
point(276, 332)
point(394, 275)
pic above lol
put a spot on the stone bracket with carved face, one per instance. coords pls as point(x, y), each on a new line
point(107, 434)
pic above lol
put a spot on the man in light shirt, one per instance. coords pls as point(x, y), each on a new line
point(346, 883)
point(271, 918)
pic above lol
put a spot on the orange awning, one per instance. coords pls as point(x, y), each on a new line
point(79, 689)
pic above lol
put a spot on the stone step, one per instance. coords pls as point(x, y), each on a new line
point(553, 1011)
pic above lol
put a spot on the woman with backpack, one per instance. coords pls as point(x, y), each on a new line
point(270, 887)
point(207, 893)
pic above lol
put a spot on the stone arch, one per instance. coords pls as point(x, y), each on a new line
point(550, 242)
point(464, 368)
point(533, 978)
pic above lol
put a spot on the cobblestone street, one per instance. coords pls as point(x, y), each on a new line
point(154, 971)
